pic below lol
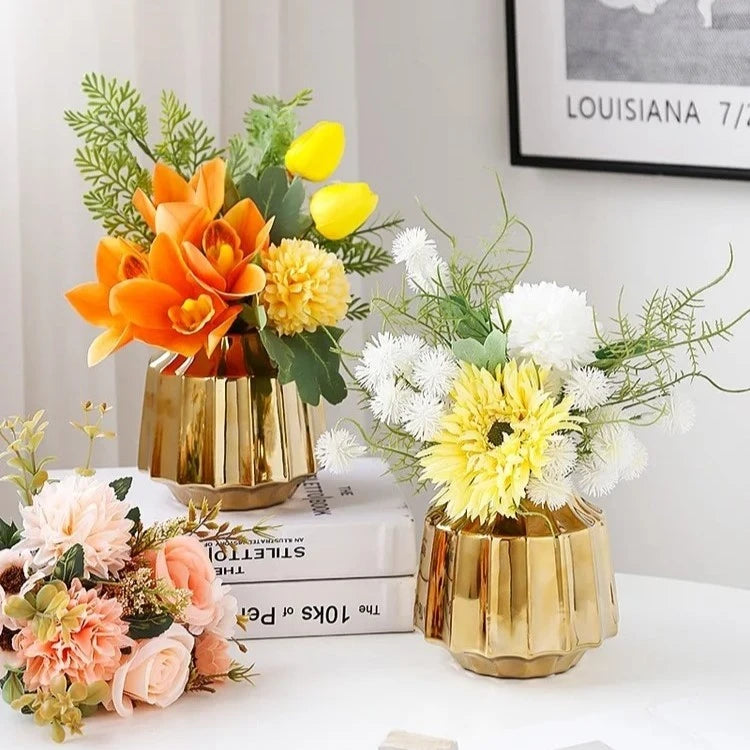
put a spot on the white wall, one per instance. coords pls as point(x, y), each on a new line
point(421, 87)
point(433, 121)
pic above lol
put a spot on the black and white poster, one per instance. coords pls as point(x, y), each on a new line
point(656, 86)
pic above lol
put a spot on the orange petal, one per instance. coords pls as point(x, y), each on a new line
point(172, 341)
point(145, 208)
point(108, 342)
point(246, 279)
point(91, 302)
point(109, 253)
point(209, 185)
point(223, 323)
point(144, 302)
point(203, 272)
point(220, 232)
point(245, 218)
point(182, 221)
point(264, 236)
point(167, 264)
point(170, 187)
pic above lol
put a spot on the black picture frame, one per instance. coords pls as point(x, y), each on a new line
point(519, 158)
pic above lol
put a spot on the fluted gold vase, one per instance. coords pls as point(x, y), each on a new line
point(524, 597)
point(224, 428)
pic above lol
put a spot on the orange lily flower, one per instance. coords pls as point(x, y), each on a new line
point(229, 245)
point(170, 309)
point(117, 260)
point(182, 208)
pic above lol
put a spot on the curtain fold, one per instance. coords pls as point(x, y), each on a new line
point(212, 54)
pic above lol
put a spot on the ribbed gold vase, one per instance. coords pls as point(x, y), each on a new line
point(524, 597)
point(224, 428)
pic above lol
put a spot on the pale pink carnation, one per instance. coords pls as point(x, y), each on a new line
point(212, 656)
point(78, 510)
point(93, 651)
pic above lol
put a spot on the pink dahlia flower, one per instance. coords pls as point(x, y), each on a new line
point(92, 652)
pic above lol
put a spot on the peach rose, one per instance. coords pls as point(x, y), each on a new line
point(212, 655)
point(155, 673)
point(184, 563)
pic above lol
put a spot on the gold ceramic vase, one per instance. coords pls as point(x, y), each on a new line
point(224, 428)
point(523, 597)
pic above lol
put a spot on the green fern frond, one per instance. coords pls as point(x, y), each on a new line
point(358, 309)
point(186, 142)
point(270, 127)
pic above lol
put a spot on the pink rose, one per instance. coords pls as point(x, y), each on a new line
point(184, 563)
point(155, 673)
point(212, 655)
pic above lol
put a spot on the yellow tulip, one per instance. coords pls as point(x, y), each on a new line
point(316, 153)
point(340, 209)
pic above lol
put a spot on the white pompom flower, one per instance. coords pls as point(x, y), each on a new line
point(550, 493)
point(550, 324)
point(561, 454)
point(413, 245)
point(336, 449)
point(636, 462)
point(678, 413)
point(78, 510)
point(428, 275)
point(435, 370)
point(595, 477)
point(379, 361)
point(588, 387)
point(422, 415)
point(388, 401)
point(408, 349)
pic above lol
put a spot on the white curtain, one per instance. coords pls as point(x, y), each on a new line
point(212, 54)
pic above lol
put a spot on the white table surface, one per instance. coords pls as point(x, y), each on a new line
point(680, 666)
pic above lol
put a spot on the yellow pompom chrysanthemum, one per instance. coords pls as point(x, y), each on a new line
point(493, 439)
point(306, 287)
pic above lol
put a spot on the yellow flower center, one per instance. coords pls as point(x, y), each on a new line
point(192, 314)
point(222, 257)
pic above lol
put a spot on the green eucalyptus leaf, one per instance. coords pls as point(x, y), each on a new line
point(471, 351)
point(287, 219)
point(496, 349)
point(70, 565)
point(149, 626)
point(231, 194)
point(307, 359)
point(121, 487)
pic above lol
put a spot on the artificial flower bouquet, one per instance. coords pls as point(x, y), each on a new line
point(508, 396)
point(206, 241)
point(97, 609)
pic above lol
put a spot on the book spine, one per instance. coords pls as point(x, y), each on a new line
point(364, 550)
point(332, 607)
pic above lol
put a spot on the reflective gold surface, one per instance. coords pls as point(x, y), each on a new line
point(225, 428)
point(513, 599)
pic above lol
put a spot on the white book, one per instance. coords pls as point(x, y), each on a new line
point(284, 609)
point(352, 526)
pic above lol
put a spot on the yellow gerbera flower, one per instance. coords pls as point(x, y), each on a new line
point(493, 439)
point(306, 287)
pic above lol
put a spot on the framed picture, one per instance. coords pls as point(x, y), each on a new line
point(652, 86)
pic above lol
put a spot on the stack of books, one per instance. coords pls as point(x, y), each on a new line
point(342, 558)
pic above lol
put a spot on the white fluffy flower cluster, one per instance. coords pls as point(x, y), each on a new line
point(407, 382)
point(336, 449)
point(78, 510)
point(615, 453)
point(418, 252)
point(550, 324)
